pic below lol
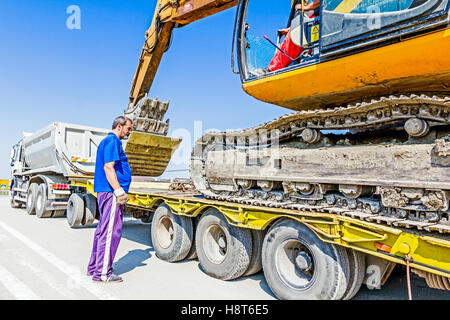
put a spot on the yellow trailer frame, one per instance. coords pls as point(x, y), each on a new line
point(426, 251)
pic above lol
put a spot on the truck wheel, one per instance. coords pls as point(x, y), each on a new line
point(357, 263)
point(255, 265)
point(90, 203)
point(58, 213)
point(41, 202)
point(224, 251)
point(299, 266)
point(171, 234)
point(75, 210)
point(31, 198)
point(15, 204)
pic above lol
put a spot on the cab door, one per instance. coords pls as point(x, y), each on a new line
point(347, 24)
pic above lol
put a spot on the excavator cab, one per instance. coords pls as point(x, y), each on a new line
point(353, 50)
point(260, 49)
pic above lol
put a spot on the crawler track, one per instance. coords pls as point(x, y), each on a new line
point(362, 116)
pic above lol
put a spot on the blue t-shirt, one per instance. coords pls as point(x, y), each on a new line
point(111, 150)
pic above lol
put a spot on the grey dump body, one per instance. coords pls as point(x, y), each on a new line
point(63, 149)
point(44, 162)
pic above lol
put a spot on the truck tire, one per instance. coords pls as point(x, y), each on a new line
point(224, 251)
point(255, 265)
point(171, 234)
point(90, 203)
point(15, 204)
point(299, 266)
point(41, 202)
point(31, 198)
point(75, 210)
point(357, 263)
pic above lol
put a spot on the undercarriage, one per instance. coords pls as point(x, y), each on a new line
point(385, 161)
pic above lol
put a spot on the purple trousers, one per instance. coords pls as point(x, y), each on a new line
point(107, 236)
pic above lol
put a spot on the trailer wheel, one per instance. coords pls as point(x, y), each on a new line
point(75, 210)
point(31, 198)
point(255, 265)
point(299, 266)
point(357, 263)
point(224, 251)
point(90, 209)
point(171, 234)
point(58, 213)
point(41, 202)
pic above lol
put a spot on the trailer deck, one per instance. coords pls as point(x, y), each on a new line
point(419, 249)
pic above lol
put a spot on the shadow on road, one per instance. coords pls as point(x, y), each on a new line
point(258, 277)
point(133, 259)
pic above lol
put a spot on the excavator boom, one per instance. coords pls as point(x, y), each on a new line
point(169, 14)
point(148, 149)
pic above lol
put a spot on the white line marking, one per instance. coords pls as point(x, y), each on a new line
point(111, 222)
point(76, 277)
point(16, 287)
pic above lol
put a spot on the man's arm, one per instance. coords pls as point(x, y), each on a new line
point(111, 176)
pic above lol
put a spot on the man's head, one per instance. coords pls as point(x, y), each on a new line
point(122, 127)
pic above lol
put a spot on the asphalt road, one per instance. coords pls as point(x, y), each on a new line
point(46, 259)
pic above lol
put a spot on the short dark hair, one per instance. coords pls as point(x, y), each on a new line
point(120, 120)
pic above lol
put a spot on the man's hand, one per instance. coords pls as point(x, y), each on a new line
point(121, 196)
point(283, 32)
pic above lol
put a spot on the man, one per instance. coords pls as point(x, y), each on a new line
point(112, 182)
point(280, 60)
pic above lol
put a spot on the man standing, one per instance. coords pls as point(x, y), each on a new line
point(111, 183)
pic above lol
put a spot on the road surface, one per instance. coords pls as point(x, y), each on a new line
point(46, 259)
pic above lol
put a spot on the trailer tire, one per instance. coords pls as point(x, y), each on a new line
point(90, 203)
point(192, 254)
point(299, 266)
point(58, 213)
point(357, 263)
point(171, 234)
point(41, 202)
point(224, 251)
point(75, 210)
point(255, 265)
point(31, 198)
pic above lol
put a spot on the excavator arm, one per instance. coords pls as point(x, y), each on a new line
point(169, 14)
point(148, 149)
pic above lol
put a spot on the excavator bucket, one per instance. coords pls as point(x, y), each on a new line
point(149, 154)
point(148, 149)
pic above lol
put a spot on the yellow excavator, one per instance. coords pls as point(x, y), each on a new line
point(369, 90)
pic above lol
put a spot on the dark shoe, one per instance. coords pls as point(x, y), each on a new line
point(112, 278)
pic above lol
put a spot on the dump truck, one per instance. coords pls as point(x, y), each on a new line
point(43, 162)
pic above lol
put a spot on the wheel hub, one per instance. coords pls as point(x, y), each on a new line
point(165, 232)
point(303, 261)
point(216, 244)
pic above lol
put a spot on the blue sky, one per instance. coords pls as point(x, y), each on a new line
point(50, 73)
